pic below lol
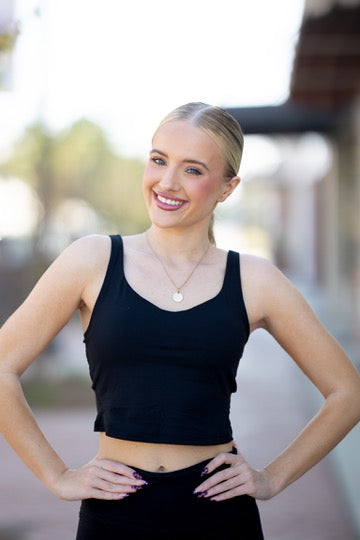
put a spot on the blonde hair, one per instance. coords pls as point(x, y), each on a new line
point(221, 127)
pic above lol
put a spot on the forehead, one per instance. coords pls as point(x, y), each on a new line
point(187, 141)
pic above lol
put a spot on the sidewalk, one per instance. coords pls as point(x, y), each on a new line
point(273, 402)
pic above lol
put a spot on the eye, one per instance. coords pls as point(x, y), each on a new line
point(193, 170)
point(158, 160)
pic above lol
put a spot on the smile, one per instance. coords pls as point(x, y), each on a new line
point(168, 203)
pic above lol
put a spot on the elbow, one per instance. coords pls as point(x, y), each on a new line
point(355, 400)
point(10, 394)
point(9, 385)
point(347, 401)
point(8, 378)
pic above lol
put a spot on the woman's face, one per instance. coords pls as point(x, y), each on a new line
point(185, 176)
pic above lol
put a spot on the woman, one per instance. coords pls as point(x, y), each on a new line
point(166, 315)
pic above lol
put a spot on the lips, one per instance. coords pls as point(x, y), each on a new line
point(167, 202)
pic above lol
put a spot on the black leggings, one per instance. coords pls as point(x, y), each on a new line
point(166, 508)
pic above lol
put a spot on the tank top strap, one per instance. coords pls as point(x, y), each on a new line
point(117, 254)
point(232, 279)
point(113, 280)
point(115, 270)
point(233, 286)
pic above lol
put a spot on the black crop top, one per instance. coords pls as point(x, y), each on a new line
point(162, 376)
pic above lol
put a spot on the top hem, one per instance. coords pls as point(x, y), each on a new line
point(166, 440)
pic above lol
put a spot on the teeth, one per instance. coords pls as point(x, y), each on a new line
point(169, 201)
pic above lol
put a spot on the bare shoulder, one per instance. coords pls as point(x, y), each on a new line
point(257, 266)
point(87, 251)
point(266, 289)
point(52, 301)
point(82, 266)
point(74, 269)
point(275, 304)
point(258, 272)
point(78, 260)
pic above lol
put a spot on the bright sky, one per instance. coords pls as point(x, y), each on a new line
point(126, 63)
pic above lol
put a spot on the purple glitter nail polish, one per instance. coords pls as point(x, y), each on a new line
point(202, 494)
point(204, 471)
point(137, 475)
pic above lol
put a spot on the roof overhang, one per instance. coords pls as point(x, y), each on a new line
point(286, 118)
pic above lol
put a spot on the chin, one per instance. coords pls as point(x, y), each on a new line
point(164, 218)
point(164, 223)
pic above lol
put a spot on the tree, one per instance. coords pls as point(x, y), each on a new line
point(78, 163)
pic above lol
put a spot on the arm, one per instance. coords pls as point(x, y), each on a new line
point(274, 304)
point(296, 328)
point(57, 295)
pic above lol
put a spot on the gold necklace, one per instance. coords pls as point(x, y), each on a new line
point(177, 295)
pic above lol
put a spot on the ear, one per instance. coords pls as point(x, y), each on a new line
point(229, 187)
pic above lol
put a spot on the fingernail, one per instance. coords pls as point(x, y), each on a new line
point(136, 487)
point(137, 475)
point(202, 494)
point(204, 471)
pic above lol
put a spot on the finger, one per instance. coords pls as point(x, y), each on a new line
point(119, 479)
point(110, 487)
point(234, 469)
point(118, 468)
point(216, 478)
point(107, 495)
point(221, 459)
point(222, 487)
point(235, 492)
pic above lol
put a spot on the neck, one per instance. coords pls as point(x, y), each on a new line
point(178, 245)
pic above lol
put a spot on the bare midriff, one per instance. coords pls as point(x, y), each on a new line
point(157, 457)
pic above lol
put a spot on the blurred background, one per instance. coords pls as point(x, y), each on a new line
point(83, 86)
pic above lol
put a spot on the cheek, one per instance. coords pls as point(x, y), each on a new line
point(147, 171)
point(148, 175)
point(205, 189)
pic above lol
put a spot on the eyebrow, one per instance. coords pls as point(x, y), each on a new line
point(156, 151)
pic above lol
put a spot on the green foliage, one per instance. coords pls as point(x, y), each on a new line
point(80, 163)
point(8, 37)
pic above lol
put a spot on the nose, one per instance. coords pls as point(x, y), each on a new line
point(169, 179)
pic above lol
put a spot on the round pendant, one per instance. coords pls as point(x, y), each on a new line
point(178, 297)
